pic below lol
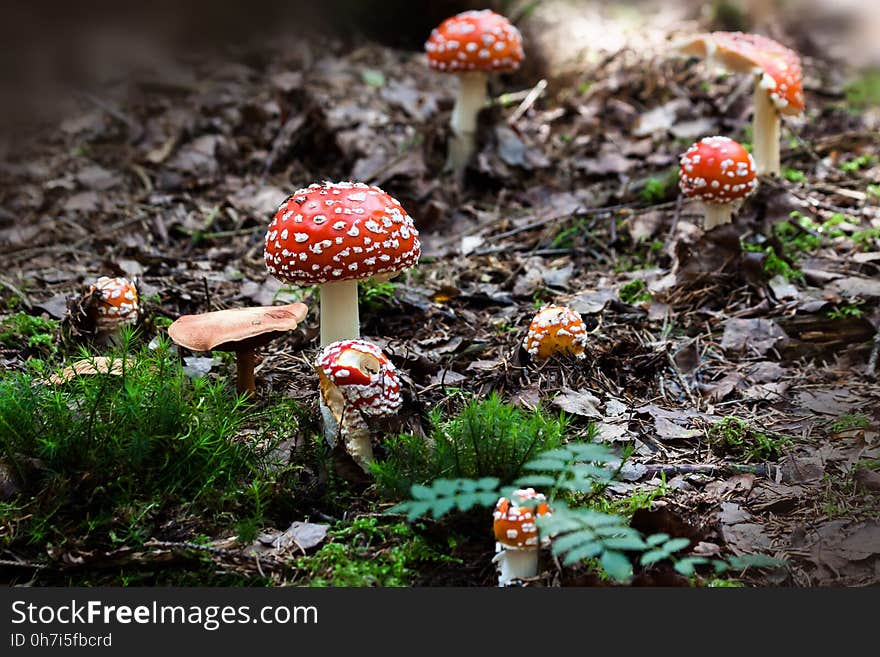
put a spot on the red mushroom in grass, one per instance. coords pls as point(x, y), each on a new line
point(472, 45)
point(240, 330)
point(115, 305)
point(333, 235)
point(556, 330)
point(778, 89)
point(717, 171)
point(516, 535)
point(357, 381)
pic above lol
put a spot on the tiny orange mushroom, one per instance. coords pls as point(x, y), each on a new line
point(556, 329)
point(516, 532)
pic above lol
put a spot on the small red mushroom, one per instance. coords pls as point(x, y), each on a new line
point(717, 171)
point(116, 305)
point(554, 330)
point(516, 534)
point(333, 235)
point(779, 88)
point(472, 45)
point(357, 381)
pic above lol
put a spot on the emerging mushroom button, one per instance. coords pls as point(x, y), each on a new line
point(475, 40)
point(556, 329)
point(356, 380)
point(117, 304)
point(514, 526)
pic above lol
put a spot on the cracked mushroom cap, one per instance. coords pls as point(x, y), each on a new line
point(556, 329)
point(717, 170)
point(779, 67)
point(477, 40)
point(236, 328)
point(514, 525)
point(355, 373)
point(340, 231)
point(117, 304)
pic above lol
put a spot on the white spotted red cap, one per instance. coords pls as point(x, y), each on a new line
point(117, 302)
point(476, 40)
point(340, 231)
point(554, 330)
point(717, 170)
point(366, 379)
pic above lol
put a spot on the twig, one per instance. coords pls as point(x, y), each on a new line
point(875, 352)
point(763, 470)
point(528, 101)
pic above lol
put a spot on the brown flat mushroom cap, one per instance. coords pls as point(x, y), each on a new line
point(236, 328)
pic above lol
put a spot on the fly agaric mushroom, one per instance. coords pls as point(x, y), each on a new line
point(471, 45)
point(357, 381)
point(717, 171)
point(556, 329)
point(241, 330)
point(516, 535)
point(778, 90)
point(333, 235)
point(115, 305)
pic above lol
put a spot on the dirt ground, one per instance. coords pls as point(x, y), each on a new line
point(171, 175)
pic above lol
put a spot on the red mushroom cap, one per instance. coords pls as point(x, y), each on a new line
point(779, 67)
point(514, 526)
point(556, 329)
point(340, 231)
point(118, 302)
point(717, 170)
point(475, 41)
point(366, 379)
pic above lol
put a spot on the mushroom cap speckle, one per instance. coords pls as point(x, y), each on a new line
point(340, 231)
point(556, 329)
point(117, 304)
point(717, 170)
point(778, 66)
point(235, 328)
point(476, 40)
point(514, 525)
point(357, 374)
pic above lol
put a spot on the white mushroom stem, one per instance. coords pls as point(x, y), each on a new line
point(339, 312)
point(515, 563)
point(356, 438)
point(717, 214)
point(765, 132)
point(470, 100)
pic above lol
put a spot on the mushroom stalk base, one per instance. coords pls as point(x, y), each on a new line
point(244, 375)
point(339, 312)
point(717, 214)
point(470, 100)
point(515, 564)
point(765, 134)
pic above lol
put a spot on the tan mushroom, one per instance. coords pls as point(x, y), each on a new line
point(241, 330)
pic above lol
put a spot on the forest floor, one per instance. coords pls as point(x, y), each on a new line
point(738, 367)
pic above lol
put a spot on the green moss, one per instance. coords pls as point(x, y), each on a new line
point(369, 553)
point(734, 436)
point(634, 292)
point(864, 91)
point(23, 331)
point(793, 175)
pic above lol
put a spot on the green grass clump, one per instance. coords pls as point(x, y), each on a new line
point(488, 438)
point(634, 292)
point(735, 437)
point(23, 331)
point(858, 163)
point(864, 91)
point(657, 190)
point(376, 296)
point(850, 421)
point(105, 459)
point(368, 553)
point(865, 239)
point(794, 175)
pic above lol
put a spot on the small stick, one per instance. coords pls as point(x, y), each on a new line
point(875, 352)
point(762, 470)
point(528, 101)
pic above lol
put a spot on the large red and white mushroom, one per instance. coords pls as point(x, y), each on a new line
point(333, 235)
point(778, 89)
point(516, 535)
point(472, 45)
point(717, 171)
point(357, 381)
